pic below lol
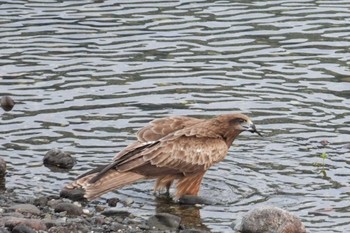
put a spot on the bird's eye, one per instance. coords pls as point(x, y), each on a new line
point(241, 120)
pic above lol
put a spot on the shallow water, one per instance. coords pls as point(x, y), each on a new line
point(86, 75)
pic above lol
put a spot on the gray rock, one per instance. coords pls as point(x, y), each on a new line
point(116, 213)
point(58, 158)
point(267, 219)
point(21, 228)
point(193, 200)
point(7, 103)
point(73, 194)
point(2, 167)
point(3, 230)
point(11, 222)
point(25, 208)
point(70, 228)
point(70, 209)
point(164, 221)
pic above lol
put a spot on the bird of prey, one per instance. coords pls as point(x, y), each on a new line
point(176, 148)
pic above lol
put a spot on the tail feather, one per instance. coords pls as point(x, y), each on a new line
point(109, 181)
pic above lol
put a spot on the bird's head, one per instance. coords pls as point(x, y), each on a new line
point(241, 122)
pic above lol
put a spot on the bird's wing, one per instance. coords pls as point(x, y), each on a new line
point(186, 154)
point(161, 127)
point(185, 151)
point(158, 129)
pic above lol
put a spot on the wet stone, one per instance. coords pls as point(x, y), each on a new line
point(58, 158)
point(11, 222)
point(73, 194)
point(41, 201)
point(164, 221)
point(69, 208)
point(3, 230)
point(7, 103)
point(116, 213)
point(73, 227)
point(194, 200)
point(26, 209)
point(268, 219)
point(2, 167)
point(112, 202)
point(21, 228)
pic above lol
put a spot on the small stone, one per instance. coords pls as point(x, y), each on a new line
point(21, 228)
point(268, 219)
point(73, 194)
point(164, 221)
point(194, 200)
point(324, 142)
point(41, 201)
point(3, 230)
point(116, 213)
point(11, 222)
point(112, 202)
point(69, 208)
point(128, 201)
point(100, 208)
point(7, 103)
point(26, 208)
point(58, 158)
point(86, 212)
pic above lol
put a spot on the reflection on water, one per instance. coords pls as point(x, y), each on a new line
point(86, 75)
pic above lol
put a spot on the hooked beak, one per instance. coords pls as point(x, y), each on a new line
point(249, 126)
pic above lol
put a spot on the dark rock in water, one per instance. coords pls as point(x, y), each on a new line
point(2, 167)
point(193, 231)
point(70, 209)
point(7, 103)
point(116, 213)
point(268, 219)
point(112, 202)
point(58, 158)
point(21, 228)
point(193, 200)
point(164, 221)
point(11, 222)
point(73, 194)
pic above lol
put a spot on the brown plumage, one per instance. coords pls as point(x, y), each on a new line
point(169, 149)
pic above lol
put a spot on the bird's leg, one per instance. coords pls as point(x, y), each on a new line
point(162, 183)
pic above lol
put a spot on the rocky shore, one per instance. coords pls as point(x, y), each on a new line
point(53, 214)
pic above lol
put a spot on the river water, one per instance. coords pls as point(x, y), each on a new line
point(86, 75)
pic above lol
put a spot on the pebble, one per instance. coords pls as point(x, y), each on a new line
point(194, 200)
point(128, 201)
point(7, 103)
point(3, 230)
point(69, 208)
point(164, 222)
point(112, 202)
point(21, 228)
point(25, 209)
point(58, 158)
point(11, 222)
point(116, 213)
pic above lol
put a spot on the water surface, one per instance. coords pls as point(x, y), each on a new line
point(86, 75)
